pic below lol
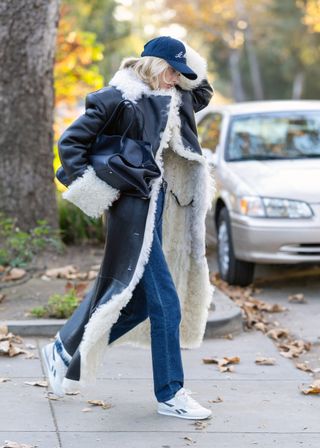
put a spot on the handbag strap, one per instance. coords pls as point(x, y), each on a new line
point(117, 111)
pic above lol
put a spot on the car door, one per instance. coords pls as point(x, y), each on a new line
point(209, 130)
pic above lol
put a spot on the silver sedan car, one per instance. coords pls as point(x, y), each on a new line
point(266, 158)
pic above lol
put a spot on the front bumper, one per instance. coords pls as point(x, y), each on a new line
point(267, 240)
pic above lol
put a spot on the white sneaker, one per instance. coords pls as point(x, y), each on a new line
point(183, 406)
point(56, 368)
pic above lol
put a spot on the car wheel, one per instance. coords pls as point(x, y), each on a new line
point(232, 270)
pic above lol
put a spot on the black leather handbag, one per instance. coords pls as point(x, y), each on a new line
point(124, 163)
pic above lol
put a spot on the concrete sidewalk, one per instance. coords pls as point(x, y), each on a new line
point(224, 317)
point(262, 405)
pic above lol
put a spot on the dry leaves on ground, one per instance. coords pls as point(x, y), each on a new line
point(253, 309)
point(313, 389)
point(13, 274)
point(294, 348)
point(223, 363)
point(40, 383)
point(100, 403)
point(10, 444)
point(297, 298)
point(7, 344)
point(199, 424)
point(254, 316)
point(69, 272)
point(262, 361)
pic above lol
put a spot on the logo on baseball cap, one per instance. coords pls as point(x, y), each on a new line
point(171, 50)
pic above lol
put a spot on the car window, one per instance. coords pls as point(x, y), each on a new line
point(209, 131)
point(285, 135)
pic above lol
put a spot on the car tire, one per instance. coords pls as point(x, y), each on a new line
point(232, 270)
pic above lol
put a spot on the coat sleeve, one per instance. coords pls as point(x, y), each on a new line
point(201, 95)
point(86, 190)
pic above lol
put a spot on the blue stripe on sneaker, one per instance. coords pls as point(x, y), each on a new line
point(168, 404)
point(61, 350)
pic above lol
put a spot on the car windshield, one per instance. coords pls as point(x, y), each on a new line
point(268, 136)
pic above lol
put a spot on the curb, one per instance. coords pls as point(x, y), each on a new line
point(224, 318)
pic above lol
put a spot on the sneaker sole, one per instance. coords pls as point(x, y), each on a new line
point(188, 417)
point(50, 376)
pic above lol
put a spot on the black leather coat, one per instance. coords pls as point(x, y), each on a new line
point(128, 218)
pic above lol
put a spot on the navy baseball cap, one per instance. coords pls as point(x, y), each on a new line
point(171, 50)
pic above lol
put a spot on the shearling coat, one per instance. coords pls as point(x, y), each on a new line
point(169, 124)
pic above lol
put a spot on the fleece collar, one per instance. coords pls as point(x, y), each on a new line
point(133, 87)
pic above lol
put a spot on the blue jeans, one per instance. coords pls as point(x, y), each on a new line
point(156, 297)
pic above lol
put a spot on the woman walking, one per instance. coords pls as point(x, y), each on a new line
point(153, 286)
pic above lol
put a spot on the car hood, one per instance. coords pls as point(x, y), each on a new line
point(291, 179)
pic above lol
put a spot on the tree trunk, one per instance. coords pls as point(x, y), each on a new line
point(254, 66)
point(234, 65)
point(27, 35)
point(297, 87)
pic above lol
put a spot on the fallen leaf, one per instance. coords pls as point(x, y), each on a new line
point(278, 333)
point(2, 297)
point(261, 326)
point(14, 351)
point(100, 403)
point(76, 392)
point(4, 380)
point(313, 389)
point(10, 444)
point(293, 349)
point(223, 363)
point(51, 396)
point(39, 383)
point(304, 366)
point(217, 400)
point(4, 347)
point(297, 298)
point(265, 361)
point(188, 440)
point(14, 274)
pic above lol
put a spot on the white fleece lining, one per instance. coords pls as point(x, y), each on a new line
point(194, 288)
point(91, 194)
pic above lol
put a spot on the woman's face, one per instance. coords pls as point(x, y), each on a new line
point(168, 78)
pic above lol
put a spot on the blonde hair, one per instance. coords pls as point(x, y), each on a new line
point(147, 67)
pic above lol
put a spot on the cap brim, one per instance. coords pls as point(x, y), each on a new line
point(183, 69)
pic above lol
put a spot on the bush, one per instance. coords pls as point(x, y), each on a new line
point(76, 227)
point(19, 247)
point(59, 306)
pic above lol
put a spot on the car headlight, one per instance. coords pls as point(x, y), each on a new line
point(273, 207)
